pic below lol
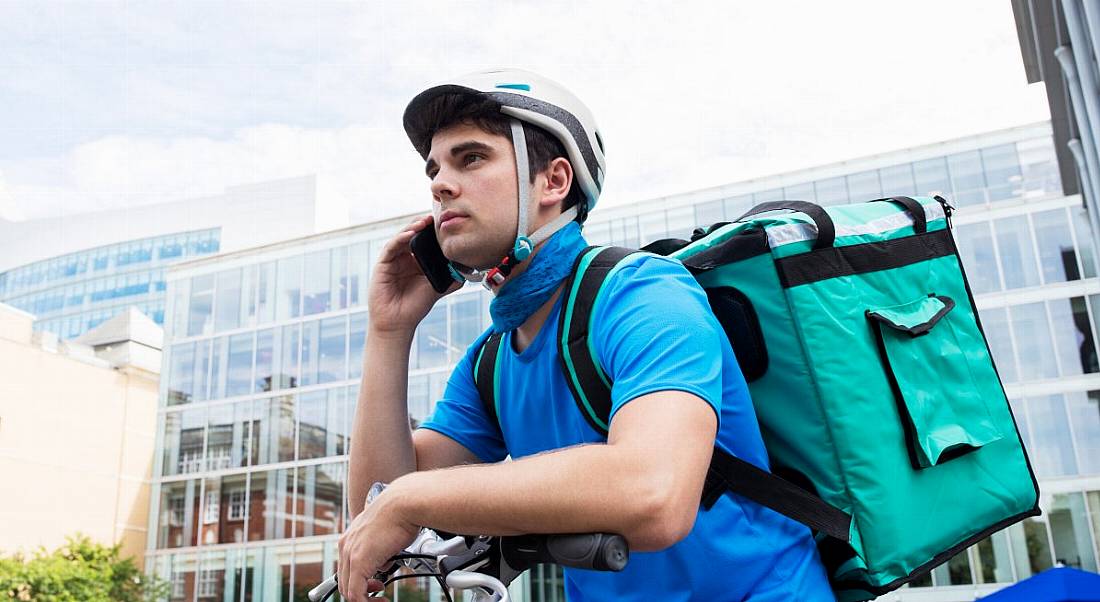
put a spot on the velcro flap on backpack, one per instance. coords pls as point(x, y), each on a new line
point(935, 371)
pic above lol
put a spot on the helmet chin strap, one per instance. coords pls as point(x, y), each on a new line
point(525, 244)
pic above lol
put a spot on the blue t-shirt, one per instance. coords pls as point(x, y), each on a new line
point(652, 330)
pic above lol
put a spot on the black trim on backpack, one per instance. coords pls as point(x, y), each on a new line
point(742, 245)
point(730, 473)
point(575, 331)
point(834, 262)
point(484, 369)
point(738, 319)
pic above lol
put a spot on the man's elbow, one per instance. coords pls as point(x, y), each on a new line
point(664, 519)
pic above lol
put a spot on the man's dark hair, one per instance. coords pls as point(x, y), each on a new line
point(446, 110)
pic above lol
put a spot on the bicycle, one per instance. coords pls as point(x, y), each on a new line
point(486, 565)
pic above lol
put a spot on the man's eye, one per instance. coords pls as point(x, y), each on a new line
point(471, 158)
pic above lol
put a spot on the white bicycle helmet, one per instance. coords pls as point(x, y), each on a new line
point(525, 97)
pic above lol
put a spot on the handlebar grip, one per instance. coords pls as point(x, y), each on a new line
point(597, 551)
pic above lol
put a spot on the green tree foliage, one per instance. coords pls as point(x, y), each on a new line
point(79, 571)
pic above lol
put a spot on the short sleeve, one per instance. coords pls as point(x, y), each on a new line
point(460, 415)
point(653, 330)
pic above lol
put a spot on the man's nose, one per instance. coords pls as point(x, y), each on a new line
point(443, 186)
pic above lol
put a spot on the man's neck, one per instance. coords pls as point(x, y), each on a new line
point(527, 331)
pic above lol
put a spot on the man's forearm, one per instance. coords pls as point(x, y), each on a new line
point(382, 448)
point(554, 492)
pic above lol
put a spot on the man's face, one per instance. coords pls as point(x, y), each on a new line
point(473, 174)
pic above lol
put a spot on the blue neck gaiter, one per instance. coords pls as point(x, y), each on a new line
point(524, 294)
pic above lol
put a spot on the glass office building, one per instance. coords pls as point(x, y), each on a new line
point(73, 293)
point(263, 357)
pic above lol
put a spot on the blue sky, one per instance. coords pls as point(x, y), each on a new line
point(107, 104)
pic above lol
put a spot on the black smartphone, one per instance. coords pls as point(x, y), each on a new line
point(434, 265)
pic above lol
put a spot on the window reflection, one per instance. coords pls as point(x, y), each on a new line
point(228, 435)
point(1036, 351)
point(1051, 443)
point(184, 433)
point(1002, 171)
point(995, 326)
point(228, 311)
point(1057, 257)
point(239, 369)
point(316, 295)
point(273, 431)
point(465, 324)
point(288, 301)
point(321, 490)
point(994, 561)
point(1084, 241)
point(181, 367)
point(1084, 415)
point(975, 242)
point(357, 338)
point(1073, 336)
point(271, 507)
point(201, 305)
point(967, 178)
point(178, 517)
point(1017, 253)
point(1030, 547)
point(1069, 529)
point(930, 176)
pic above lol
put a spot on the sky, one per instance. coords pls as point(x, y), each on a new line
point(108, 104)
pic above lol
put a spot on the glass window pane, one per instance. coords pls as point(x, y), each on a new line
point(431, 335)
point(1030, 547)
point(930, 176)
point(288, 299)
point(737, 206)
point(179, 291)
point(1057, 257)
point(651, 226)
point(1084, 241)
point(359, 263)
point(178, 517)
point(799, 192)
point(995, 327)
point(1069, 528)
point(271, 507)
point(239, 369)
point(897, 179)
point(680, 222)
point(316, 295)
point(831, 191)
point(709, 213)
point(419, 397)
point(967, 178)
point(265, 361)
point(273, 438)
point(1051, 444)
point(1017, 253)
point(1084, 415)
point(775, 194)
point(357, 339)
point(215, 575)
point(1093, 498)
point(1073, 338)
point(202, 370)
point(181, 368)
point(864, 186)
point(201, 305)
point(183, 438)
point(1002, 171)
point(975, 242)
point(227, 315)
point(465, 324)
point(311, 335)
point(322, 490)
point(994, 560)
point(1033, 341)
point(287, 376)
point(331, 363)
point(265, 292)
point(313, 424)
point(955, 572)
point(228, 434)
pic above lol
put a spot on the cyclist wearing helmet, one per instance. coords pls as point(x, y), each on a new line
point(510, 215)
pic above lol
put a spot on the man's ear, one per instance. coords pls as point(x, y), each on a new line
point(556, 180)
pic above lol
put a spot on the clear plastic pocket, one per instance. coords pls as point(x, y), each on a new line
point(936, 367)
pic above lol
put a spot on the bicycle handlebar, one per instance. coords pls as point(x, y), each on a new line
point(596, 551)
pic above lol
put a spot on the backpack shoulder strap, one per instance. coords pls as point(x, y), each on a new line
point(587, 381)
point(486, 370)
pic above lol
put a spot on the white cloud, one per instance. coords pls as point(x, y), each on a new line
point(688, 94)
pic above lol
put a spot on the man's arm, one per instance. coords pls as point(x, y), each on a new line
point(650, 478)
point(382, 446)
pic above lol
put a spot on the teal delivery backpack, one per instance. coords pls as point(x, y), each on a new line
point(888, 429)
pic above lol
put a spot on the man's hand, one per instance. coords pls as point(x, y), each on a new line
point(400, 296)
point(377, 533)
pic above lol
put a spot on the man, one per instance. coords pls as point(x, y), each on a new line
point(676, 385)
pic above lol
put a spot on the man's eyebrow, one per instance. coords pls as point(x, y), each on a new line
point(456, 150)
